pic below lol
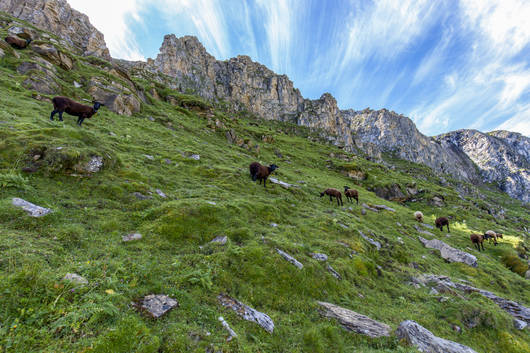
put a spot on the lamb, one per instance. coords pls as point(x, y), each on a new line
point(441, 222)
point(17, 43)
point(489, 234)
point(333, 193)
point(478, 240)
point(351, 194)
point(66, 105)
point(261, 172)
point(419, 216)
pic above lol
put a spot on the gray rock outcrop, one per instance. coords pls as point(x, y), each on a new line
point(290, 259)
point(247, 312)
point(157, 305)
point(426, 341)
point(449, 253)
point(31, 209)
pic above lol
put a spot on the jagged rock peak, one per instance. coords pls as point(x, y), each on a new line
point(57, 17)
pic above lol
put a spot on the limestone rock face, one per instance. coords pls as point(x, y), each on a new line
point(58, 17)
point(449, 253)
point(503, 157)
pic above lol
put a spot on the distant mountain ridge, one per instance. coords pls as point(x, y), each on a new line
point(499, 157)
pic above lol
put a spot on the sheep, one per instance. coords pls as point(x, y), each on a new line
point(66, 105)
point(419, 216)
point(17, 43)
point(478, 240)
point(351, 194)
point(441, 222)
point(333, 193)
point(261, 172)
point(489, 234)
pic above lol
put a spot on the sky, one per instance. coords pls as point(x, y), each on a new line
point(447, 64)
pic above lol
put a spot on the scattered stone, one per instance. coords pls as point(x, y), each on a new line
point(343, 225)
point(355, 322)
point(425, 341)
point(94, 165)
point(399, 224)
point(442, 300)
point(141, 196)
point(333, 272)
point(290, 259)
point(365, 206)
point(33, 210)
point(157, 305)
point(457, 328)
point(167, 161)
point(77, 85)
point(400, 240)
point(195, 157)
point(150, 118)
point(131, 237)
point(282, 183)
point(371, 241)
point(112, 134)
point(384, 207)
point(343, 244)
point(148, 156)
point(363, 212)
point(247, 312)
point(161, 193)
point(449, 253)
point(221, 239)
point(437, 201)
point(425, 225)
point(423, 231)
point(318, 256)
point(527, 274)
point(434, 291)
point(274, 225)
point(75, 278)
point(231, 333)
point(211, 203)
point(519, 324)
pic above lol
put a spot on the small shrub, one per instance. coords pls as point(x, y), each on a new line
point(14, 180)
point(514, 263)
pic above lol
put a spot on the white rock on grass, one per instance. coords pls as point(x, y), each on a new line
point(231, 333)
point(131, 237)
point(318, 256)
point(247, 312)
point(291, 259)
point(33, 210)
point(426, 341)
point(333, 272)
point(75, 278)
point(222, 239)
point(421, 231)
point(370, 240)
point(449, 253)
point(355, 322)
point(365, 206)
point(156, 305)
point(161, 193)
point(384, 207)
point(283, 184)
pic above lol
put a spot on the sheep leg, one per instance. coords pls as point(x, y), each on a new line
point(60, 116)
point(80, 121)
point(448, 231)
point(52, 114)
point(357, 200)
point(330, 199)
point(264, 183)
point(482, 243)
point(341, 203)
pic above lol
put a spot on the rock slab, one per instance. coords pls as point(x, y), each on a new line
point(319, 257)
point(157, 305)
point(131, 237)
point(355, 322)
point(75, 278)
point(247, 312)
point(426, 341)
point(222, 239)
point(371, 241)
point(449, 253)
point(291, 259)
point(31, 209)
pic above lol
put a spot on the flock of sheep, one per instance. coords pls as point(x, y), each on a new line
point(261, 172)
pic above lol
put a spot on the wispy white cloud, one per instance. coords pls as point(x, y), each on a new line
point(112, 19)
point(519, 123)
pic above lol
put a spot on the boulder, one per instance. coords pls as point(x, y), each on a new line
point(131, 237)
point(353, 321)
point(222, 239)
point(426, 341)
point(290, 259)
point(118, 100)
point(156, 305)
point(93, 165)
point(371, 241)
point(31, 209)
point(449, 253)
point(247, 312)
point(318, 256)
point(283, 184)
point(56, 57)
point(75, 278)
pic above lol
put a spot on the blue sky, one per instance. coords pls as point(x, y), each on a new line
point(446, 64)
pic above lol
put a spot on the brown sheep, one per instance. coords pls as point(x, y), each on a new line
point(441, 222)
point(261, 172)
point(66, 105)
point(491, 235)
point(333, 193)
point(351, 194)
point(478, 240)
point(17, 43)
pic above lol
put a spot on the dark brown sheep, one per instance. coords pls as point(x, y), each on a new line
point(351, 194)
point(333, 193)
point(261, 172)
point(17, 43)
point(66, 105)
point(477, 240)
point(441, 222)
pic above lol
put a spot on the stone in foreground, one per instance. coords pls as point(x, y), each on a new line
point(283, 184)
point(355, 322)
point(222, 239)
point(131, 237)
point(425, 341)
point(247, 312)
point(75, 278)
point(33, 210)
point(449, 253)
point(291, 259)
point(156, 305)
point(319, 257)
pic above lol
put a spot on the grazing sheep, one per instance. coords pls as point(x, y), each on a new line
point(441, 222)
point(478, 240)
point(351, 194)
point(419, 216)
point(66, 105)
point(261, 172)
point(491, 235)
point(17, 43)
point(333, 193)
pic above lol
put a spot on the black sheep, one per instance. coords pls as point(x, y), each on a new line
point(351, 194)
point(441, 222)
point(261, 172)
point(333, 193)
point(66, 105)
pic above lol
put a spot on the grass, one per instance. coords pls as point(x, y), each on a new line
point(41, 313)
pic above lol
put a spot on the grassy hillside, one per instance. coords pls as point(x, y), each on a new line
point(214, 196)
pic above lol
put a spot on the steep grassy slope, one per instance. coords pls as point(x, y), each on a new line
point(41, 313)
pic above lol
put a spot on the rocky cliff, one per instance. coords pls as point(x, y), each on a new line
point(56, 16)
